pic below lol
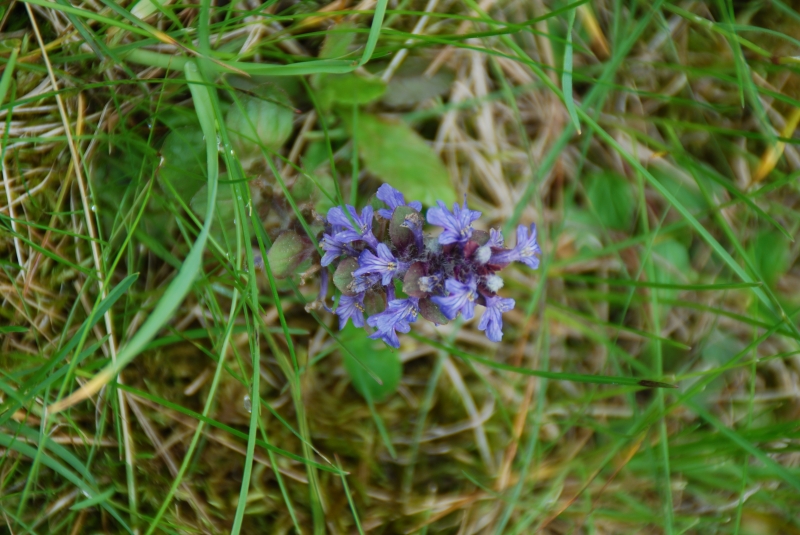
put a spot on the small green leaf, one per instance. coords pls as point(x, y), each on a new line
point(183, 162)
point(348, 89)
point(288, 253)
point(672, 266)
point(687, 193)
point(255, 123)
point(431, 312)
point(343, 276)
point(375, 356)
point(399, 156)
point(411, 281)
point(403, 219)
point(612, 200)
point(410, 86)
point(374, 302)
point(566, 76)
point(337, 41)
point(770, 251)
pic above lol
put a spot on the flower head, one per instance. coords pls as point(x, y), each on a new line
point(360, 228)
point(393, 198)
point(397, 317)
point(351, 307)
point(525, 251)
point(492, 319)
point(445, 274)
point(457, 225)
point(384, 264)
point(461, 298)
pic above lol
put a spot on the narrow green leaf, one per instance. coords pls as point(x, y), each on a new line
point(8, 74)
point(374, 31)
point(94, 500)
point(558, 376)
point(5, 329)
point(566, 76)
point(662, 285)
point(781, 472)
point(10, 442)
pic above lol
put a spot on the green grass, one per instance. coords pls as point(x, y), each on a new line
point(159, 374)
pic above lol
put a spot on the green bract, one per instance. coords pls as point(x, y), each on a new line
point(257, 125)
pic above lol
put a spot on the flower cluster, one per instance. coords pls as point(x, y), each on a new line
point(441, 276)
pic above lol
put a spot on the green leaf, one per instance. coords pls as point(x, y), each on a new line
point(288, 253)
point(94, 500)
point(396, 154)
point(410, 85)
point(348, 89)
point(566, 76)
point(343, 276)
point(376, 357)
point(374, 31)
point(255, 123)
point(672, 266)
point(5, 329)
point(612, 200)
point(223, 229)
point(337, 41)
point(403, 219)
point(8, 72)
point(184, 161)
point(770, 251)
point(687, 193)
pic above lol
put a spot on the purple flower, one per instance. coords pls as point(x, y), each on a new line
point(393, 199)
point(452, 271)
point(334, 247)
point(351, 307)
point(461, 298)
point(362, 230)
point(525, 251)
point(492, 319)
point(396, 318)
point(457, 225)
point(385, 264)
point(495, 238)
